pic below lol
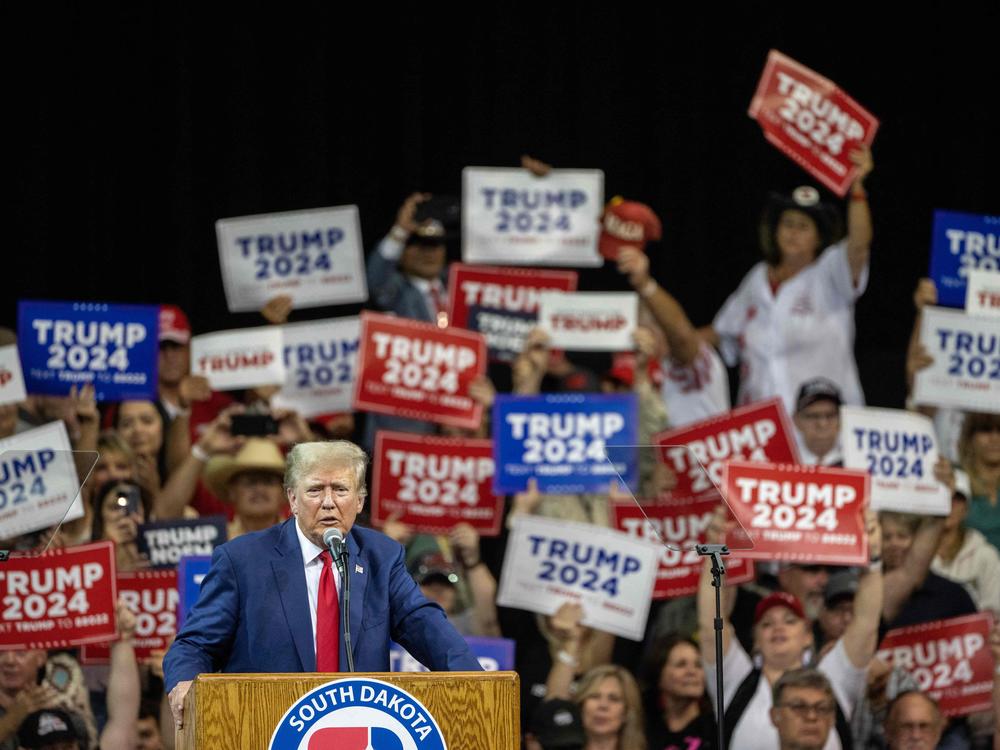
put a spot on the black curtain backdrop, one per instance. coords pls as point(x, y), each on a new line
point(135, 127)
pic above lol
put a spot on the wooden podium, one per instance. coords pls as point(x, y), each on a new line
point(478, 710)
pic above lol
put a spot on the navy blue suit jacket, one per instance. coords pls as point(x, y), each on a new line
point(253, 611)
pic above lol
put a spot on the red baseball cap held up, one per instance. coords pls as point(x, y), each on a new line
point(627, 224)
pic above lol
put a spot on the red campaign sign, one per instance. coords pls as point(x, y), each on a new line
point(435, 482)
point(411, 369)
point(809, 119)
point(501, 303)
point(757, 432)
point(804, 514)
point(59, 599)
point(680, 522)
point(949, 659)
point(152, 596)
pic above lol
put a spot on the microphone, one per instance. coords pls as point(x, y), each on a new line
point(334, 541)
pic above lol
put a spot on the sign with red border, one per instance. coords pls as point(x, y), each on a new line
point(949, 659)
point(59, 599)
point(756, 432)
point(501, 303)
point(803, 514)
point(435, 482)
point(811, 120)
point(152, 596)
point(419, 371)
point(680, 522)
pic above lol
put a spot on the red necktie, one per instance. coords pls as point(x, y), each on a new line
point(437, 298)
point(327, 619)
point(440, 307)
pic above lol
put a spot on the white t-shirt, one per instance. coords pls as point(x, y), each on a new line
point(754, 730)
point(805, 331)
point(696, 391)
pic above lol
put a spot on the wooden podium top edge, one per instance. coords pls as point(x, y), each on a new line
point(326, 676)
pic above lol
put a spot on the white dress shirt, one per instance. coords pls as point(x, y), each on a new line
point(313, 568)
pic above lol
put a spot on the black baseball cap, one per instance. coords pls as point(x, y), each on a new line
point(47, 727)
point(817, 389)
point(557, 725)
point(841, 585)
point(429, 234)
point(433, 566)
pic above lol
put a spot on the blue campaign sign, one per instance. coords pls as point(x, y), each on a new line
point(190, 572)
point(562, 440)
point(962, 242)
point(494, 655)
point(112, 347)
point(164, 543)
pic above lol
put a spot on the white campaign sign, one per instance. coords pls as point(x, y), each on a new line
point(11, 378)
point(511, 217)
point(966, 369)
point(38, 480)
point(899, 449)
point(242, 358)
point(609, 573)
point(320, 366)
point(589, 321)
point(982, 293)
point(315, 255)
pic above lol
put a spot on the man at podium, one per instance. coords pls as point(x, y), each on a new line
point(272, 600)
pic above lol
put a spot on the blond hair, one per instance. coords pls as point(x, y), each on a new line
point(631, 736)
point(305, 457)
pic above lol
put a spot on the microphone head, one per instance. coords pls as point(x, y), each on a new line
point(333, 535)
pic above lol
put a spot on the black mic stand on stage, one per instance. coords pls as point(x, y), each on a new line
point(716, 551)
point(345, 579)
point(335, 542)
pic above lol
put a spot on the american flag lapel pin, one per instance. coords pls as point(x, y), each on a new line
point(358, 569)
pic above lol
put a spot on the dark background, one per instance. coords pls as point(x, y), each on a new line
point(135, 128)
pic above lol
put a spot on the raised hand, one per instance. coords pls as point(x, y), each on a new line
point(465, 540)
point(535, 166)
point(406, 217)
point(193, 388)
point(634, 264)
point(277, 309)
point(925, 294)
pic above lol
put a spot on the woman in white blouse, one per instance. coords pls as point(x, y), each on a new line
point(792, 317)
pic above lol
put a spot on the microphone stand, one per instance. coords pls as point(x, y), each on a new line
point(716, 551)
point(345, 613)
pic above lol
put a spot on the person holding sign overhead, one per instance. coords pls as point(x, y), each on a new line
point(406, 276)
point(792, 317)
point(406, 271)
point(784, 640)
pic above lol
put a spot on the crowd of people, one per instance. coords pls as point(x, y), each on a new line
point(799, 643)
